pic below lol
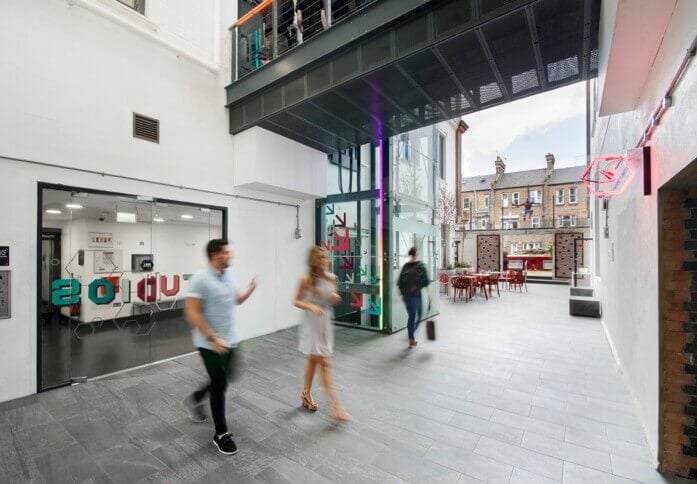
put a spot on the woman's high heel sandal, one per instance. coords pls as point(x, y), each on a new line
point(307, 403)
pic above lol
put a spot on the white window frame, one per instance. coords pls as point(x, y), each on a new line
point(486, 201)
point(514, 248)
point(535, 222)
point(557, 201)
point(536, 199)
point(483, 223)
point(465, 203)
point(515, 199)
point(573, 190)
point(504, 200)
point(563, 219)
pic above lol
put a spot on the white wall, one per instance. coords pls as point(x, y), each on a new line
point(628, 265)
point(71, 79)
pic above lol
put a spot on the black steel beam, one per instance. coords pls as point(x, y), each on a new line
point(532, 26)
point(453, 77)
point(366, 112)
point(421, 91)
point(392, 101)
point(341, 120)
point(586, 58)
point(492, 63)
point(318, 127)
point(309, 141)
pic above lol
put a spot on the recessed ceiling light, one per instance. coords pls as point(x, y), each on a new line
point(126, 217)
point(158, 219)
point(53, 211)
point(73, 206)
point(187, 216)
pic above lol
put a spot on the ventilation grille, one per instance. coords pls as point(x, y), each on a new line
point(146, 128)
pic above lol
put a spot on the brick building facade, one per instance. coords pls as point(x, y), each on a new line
point(496, 202)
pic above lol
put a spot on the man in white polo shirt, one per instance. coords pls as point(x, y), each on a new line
point(210, 308)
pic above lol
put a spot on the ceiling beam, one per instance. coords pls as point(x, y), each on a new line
point(453, 77)
point(341, 120)
point(360, 109)
point(392, 101)
point(532, 26)
point(586, 59)
point(492, 63)
point(295, 135)
point(318, 127)
point(421, 91)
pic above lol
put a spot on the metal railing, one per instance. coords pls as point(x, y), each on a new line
point(266, 29)
point(547, 223)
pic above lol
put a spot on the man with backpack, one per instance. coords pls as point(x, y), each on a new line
point(412, 280)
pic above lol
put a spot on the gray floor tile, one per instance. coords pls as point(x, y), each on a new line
point(128, 463)
point(568, 452)
point(414, 468)
point(638, 470)
point(569, 420)
point(470, 464)
point(538, 426)
point(26, 417)
point(43, 439)
point(69, 464)
point(283, 471)
point(498, 431)
point(151, 432)
point(521, 476)
point(98, 435)
point(576, 474)
point(535, 462)
point(418, 414)
point(605, 444)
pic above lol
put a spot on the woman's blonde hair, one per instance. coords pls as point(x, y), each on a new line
point(316, 270)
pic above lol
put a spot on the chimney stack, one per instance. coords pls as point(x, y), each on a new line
point(550, 166)
point(500, 170)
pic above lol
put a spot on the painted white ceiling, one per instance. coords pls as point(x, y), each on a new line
point(105, 206)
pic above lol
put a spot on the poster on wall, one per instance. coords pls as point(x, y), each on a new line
point(101, 240)
point(107, 261)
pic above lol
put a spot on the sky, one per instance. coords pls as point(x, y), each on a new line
point(523, 132)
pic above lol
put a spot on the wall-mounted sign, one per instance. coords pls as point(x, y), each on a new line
point(142, 262)
point(4, 255)
point(608, 176)
point(101, 240)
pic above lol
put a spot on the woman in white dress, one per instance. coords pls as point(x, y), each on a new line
point(316, 295)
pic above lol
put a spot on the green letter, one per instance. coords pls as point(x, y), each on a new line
point(65, 292)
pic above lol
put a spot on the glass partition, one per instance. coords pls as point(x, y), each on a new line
point(115, 271)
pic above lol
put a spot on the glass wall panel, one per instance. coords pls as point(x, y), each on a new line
point(123, 263)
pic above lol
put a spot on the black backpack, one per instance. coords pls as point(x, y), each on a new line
point(412, 278)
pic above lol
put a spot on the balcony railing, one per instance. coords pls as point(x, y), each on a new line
point(267, 29)
point(546, 224)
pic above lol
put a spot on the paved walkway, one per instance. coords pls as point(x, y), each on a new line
point(514, 390)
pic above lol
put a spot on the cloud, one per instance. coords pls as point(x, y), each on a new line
point(495, 129)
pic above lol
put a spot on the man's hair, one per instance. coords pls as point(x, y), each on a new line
point(412, 251)
point(215, 246)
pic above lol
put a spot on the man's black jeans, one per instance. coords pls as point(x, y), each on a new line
point(220, 368)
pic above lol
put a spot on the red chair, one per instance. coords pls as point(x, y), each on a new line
point(493, 281)
point(461, 285)
point(444, 282)
point(508, 277)
point(480, 283)
point(520, 280)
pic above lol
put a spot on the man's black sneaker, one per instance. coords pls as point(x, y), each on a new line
point(195, 409)
point(225, 444)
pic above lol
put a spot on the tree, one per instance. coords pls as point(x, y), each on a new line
point(446, 206)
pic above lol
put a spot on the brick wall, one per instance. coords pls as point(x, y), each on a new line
point(678, 333)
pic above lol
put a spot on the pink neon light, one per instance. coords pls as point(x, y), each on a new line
point(609, 168)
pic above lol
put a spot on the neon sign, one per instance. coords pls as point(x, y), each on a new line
point(608, 176)
point(67, 292)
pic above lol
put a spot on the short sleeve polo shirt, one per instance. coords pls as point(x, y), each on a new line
point(219, 295)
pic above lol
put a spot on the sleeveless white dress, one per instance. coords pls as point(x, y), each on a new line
point(317, 332)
